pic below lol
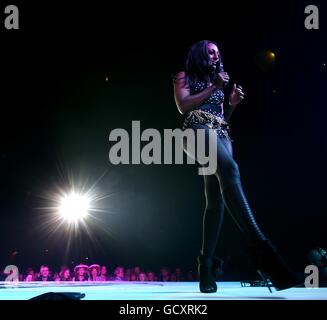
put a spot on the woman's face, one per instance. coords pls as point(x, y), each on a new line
point(66, 274)
point(214, 55)
point(29, 277)
point(103, 270)
point(150, 276)
point(120, 272)
point(45, 272)
point(142, 277)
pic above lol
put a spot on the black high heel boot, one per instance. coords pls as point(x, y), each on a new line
point(265, 257)
point(269, 263)
point(208, 268)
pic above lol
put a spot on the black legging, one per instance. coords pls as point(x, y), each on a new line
point(224, 189)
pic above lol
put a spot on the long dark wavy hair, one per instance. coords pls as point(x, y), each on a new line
point(197, 64)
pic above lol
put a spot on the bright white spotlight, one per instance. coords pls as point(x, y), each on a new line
point(74, 207)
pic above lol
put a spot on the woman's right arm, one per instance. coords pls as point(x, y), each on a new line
point(186, 102)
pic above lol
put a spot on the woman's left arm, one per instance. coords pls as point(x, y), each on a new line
point(235, 97)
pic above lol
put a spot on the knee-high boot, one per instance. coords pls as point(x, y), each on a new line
point(263, 254)
point(208, 268)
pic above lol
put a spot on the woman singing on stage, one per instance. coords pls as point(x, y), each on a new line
point(199, 95)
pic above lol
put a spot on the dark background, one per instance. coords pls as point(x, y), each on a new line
point(70, 75)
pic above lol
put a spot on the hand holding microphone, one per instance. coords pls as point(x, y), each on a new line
point(237, 94)
point(222, 77)
point(222, 80)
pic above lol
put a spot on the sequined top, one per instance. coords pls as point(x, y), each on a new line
point(212, 104)
point(214, 100)
point(209, 112)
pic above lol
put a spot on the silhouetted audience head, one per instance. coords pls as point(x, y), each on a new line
point(65, 274)
point(179, 274)
point(119, 273)
point(81, 272)
point(151, 276)
point(133, 277)
point(103, 274)
point(29, 277)
point(142, 276)
point(164, 274)
point(94, 271)
point(44, 274)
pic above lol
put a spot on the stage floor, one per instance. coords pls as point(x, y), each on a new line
point(120, 290)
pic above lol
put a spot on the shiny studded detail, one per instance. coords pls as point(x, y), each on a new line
point(217, 97)
point(217, 123)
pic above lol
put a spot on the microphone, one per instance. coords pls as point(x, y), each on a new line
point(220, 68)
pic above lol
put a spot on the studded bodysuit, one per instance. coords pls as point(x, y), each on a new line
point(209, 112)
